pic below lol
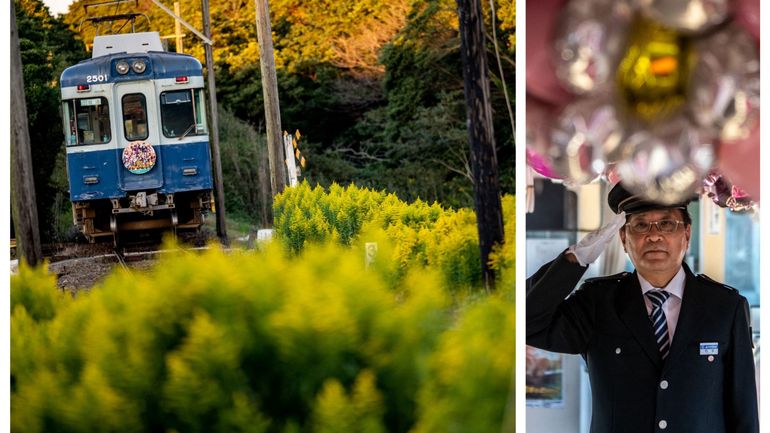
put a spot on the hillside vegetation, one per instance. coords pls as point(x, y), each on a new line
point(375, 87)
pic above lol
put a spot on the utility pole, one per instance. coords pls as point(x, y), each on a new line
point(218, 186)
point(23, 204)
point(178, 29)
point(270, 92)
point(219, 193)
point(486, 185)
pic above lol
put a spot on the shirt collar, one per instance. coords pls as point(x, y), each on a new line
point(674, 287)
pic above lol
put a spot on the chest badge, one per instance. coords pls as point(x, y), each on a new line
point(709, 348)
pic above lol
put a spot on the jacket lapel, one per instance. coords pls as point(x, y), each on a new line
point(688, 317)
point(631, 310)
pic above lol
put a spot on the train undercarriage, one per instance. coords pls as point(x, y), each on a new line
point(141, 211)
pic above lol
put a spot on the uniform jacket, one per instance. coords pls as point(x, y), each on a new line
point(633, 389)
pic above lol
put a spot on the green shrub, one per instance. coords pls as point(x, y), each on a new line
point(503, 258)
point(33, 293)
point(361, 411)
point(260, 342)
point(422, 234)
point(471, 378)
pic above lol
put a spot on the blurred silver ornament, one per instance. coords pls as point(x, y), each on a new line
point(589, 43)
point(724, 94)
point(727, 195)
point(539, 119)
point(717, 188)
point(691, 16)
point(739, 201)
point(610, 174)
point(667, 162)
point(583, 134)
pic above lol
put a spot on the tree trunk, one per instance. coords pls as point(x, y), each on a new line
point(266, 199)
point(486, 185)
point(23, 203)
point(270, 92)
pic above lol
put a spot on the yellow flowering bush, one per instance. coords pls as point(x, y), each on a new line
point(503, 258)
point(422, 234)
point(471, 378)
point(259, 341)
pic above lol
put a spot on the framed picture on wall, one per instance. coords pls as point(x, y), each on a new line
point(544, 378)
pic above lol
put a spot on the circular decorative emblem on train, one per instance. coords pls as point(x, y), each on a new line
point(139, 157)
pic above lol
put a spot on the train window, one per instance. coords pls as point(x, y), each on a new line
point(135, 116)
point(200, 112)
point(86, 121)
point(183, 113)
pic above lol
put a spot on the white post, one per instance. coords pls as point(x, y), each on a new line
point(370, 252)
point(291, 164)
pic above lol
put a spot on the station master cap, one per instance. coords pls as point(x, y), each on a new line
point(621, 200)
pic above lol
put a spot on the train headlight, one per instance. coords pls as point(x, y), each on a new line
point(122, 67)
point(139, 66)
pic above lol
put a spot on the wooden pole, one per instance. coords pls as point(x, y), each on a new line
point(183, 22)
point(270, 91)
point(178, 29)
point(23, 204)
point(486, 185)
point(215, 159)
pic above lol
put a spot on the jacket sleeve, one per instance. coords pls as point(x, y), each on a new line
point(554, 323)
point(740, 383)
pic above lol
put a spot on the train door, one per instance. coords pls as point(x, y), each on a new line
point(140, 165)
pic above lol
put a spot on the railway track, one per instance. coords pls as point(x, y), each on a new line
point(79, 265)
point(119, 255)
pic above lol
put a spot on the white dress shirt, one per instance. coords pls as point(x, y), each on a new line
point(673, 304)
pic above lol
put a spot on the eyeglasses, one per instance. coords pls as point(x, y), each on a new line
point(663, 226)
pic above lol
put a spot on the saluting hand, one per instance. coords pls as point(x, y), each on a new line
point(588, 249)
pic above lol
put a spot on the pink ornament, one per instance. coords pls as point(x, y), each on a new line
point(539, 119)
point(739, 161)
point(541, 78)
point(721, 192)
point(716, 188)
point(747, 16)
point(541, 165)
point(611, 175)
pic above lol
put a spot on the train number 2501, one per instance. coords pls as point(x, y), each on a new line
point(98, 78)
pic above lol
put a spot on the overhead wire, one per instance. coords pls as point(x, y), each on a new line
point(500, 68)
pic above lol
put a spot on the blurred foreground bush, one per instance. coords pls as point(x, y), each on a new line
point(420, 234)
point(264, 341)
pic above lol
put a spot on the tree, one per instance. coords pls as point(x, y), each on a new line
point(47, 47)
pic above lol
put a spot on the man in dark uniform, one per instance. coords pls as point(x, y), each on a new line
point(666, 350)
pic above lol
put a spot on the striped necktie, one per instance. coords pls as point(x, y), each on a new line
point(658, 318)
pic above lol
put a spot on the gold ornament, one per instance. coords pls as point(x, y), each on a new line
point(654, 74)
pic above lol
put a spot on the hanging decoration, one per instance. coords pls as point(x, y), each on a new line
point(659, 94)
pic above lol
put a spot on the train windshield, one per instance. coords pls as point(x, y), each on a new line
point(183, 113)
point(86, 121)
point(135, 117)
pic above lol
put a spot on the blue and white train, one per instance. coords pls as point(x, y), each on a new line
point(136, 136)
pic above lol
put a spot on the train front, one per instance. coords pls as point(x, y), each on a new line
point(136, 136)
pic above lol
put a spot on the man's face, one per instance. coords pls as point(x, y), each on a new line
point(655, 251)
